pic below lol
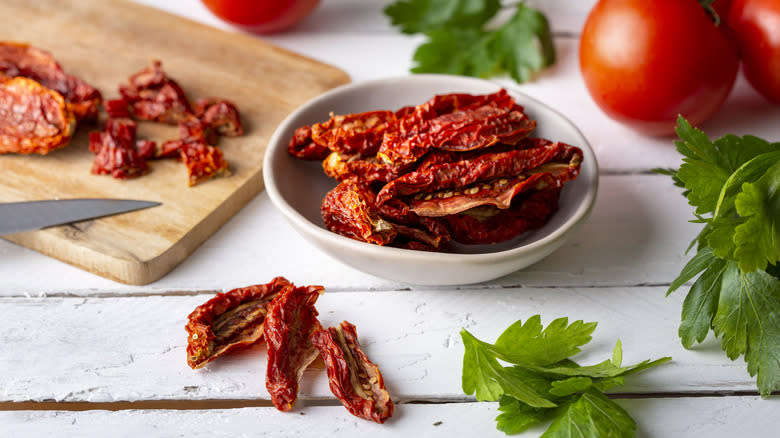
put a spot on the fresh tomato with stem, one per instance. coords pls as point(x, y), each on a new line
point(261, 16)
point(646, 62)
point(756, 26)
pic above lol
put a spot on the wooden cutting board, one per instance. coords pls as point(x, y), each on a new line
point(104, 42)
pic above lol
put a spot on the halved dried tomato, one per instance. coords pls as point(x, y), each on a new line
point(289, 324)
point(353, 133)
point(353, 378)
point(348, 209)
point(33, 119)
point(229, 321)
point(488, 224)
point(19, 59)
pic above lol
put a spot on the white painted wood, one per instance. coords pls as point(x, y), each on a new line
point(130, 349)
point(122, 343)
point(366, 17)
point(712, 417)
point(637, 234)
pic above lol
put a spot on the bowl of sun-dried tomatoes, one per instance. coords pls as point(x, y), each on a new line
point(431, 179)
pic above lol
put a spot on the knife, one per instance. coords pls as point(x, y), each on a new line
point(16, 217)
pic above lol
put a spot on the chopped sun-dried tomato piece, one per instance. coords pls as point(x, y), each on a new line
point(117, 153)
point(221, 115)
point(33, 119)
point(203, 161)
point(353, 378)
point(117, 108)
point(146, 149)
point(229, 321)
point(152, 95)
point(289, 324)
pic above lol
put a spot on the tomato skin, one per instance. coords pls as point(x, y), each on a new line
point(646, 62)
point(756, 25)
point(261, 16)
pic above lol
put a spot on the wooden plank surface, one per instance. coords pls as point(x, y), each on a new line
point(133, 348)
point(655, 417)
point(104, 42)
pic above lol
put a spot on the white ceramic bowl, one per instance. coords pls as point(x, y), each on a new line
point(297, 187)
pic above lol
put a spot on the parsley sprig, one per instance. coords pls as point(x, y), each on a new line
point(463, 39)
point(734, 185)
point(543, 384)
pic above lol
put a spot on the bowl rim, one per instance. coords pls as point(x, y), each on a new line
point(277, 146)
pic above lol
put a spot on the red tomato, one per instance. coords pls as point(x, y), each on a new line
point(644, 62)
point(261, 16)
point(756, 24)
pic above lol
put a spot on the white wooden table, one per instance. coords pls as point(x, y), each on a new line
point(84, 356)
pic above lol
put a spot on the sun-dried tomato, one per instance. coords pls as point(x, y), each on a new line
point(203, 161)
point(491, 225)
point(117, 108)
point(453, 187)
point(353, 378)
point(119, 162)
point(349, 210)
point(117, 153)
point(289, 324)
point(461, 130)
point(301, 145)
point(33, 119)
point(123, 131)
point(221, 115)
point(353, 133)
point(229, 321)
point(413, 177)
point(340, 167)
point(151, 95)
point(146, 149)
point(19, 59)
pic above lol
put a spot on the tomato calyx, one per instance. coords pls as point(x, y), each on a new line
point(711, 11)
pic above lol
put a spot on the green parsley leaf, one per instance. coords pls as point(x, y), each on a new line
point(736, 181)
point(483, 375)
point(758, 238)
point(702, 172)
point(592, 415)
point(570, 386)
point(416, 16)
point(724, 235)
point(456, 51)
point(478, 366)
point(708, 166)
point(529, 344)
point(701, 303)
point(518, 416)
point(459, 41)
point(524, 44)
point(748, 322)
point(543, 383)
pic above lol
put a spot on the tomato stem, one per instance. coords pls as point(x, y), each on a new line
point(707, 5)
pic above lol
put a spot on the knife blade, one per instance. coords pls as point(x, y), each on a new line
point(16, 217)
